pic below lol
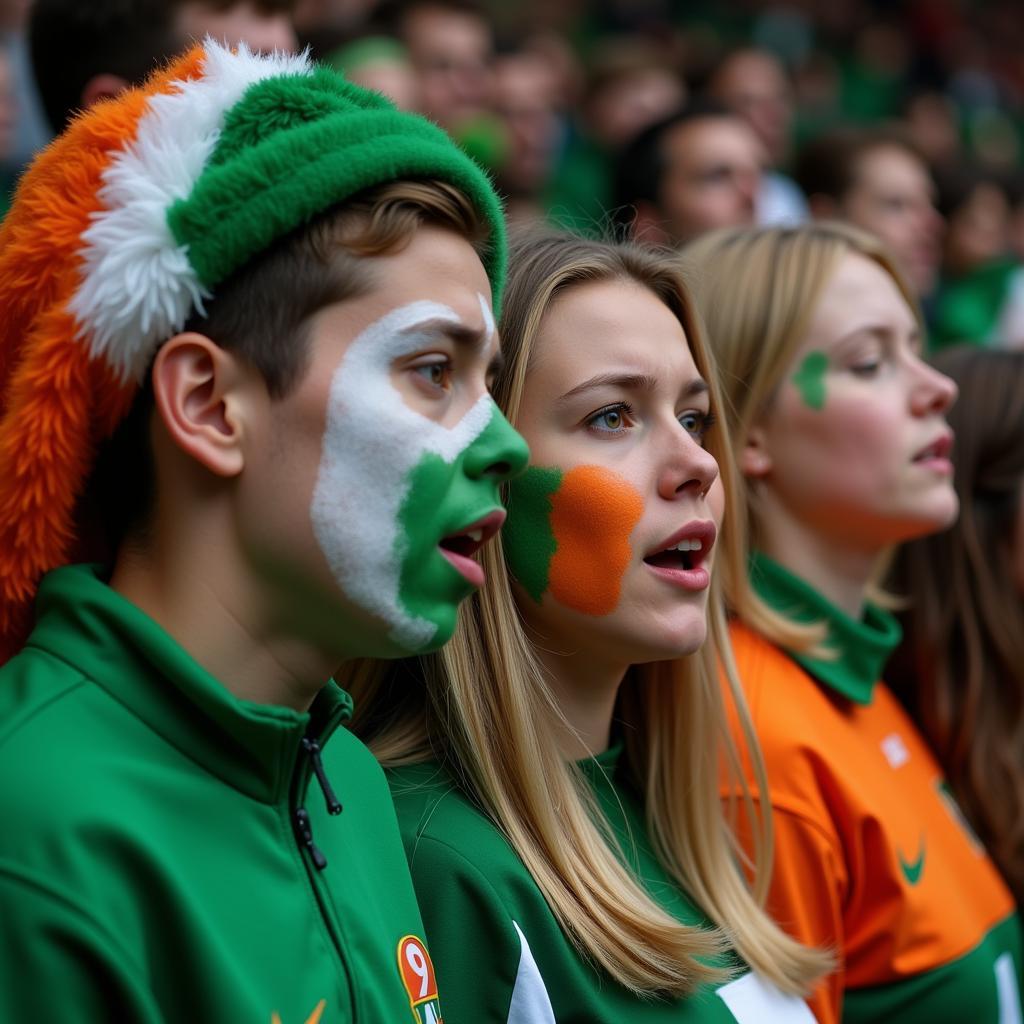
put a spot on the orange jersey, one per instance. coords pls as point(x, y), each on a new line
point(872, 857)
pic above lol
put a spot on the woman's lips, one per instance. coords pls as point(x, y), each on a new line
point(936, 456)
point(689, 579)
point(461, 547)
point(679, 559)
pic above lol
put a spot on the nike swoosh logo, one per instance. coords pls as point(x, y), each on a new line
point(912, 870)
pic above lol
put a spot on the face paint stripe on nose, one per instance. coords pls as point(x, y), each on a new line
point(569, 534)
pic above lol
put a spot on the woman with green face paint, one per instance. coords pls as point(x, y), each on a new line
point(843, 447)
point(555, 769)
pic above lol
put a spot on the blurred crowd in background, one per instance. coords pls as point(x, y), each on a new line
point(656, 118)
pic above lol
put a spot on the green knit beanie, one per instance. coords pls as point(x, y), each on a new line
point(226, 162)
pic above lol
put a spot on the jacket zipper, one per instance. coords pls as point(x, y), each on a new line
point(303, 827)
point(300, 817)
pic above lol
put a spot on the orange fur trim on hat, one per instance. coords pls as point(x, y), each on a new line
point(56, 402)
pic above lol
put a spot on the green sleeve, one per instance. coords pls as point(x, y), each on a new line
point(472, 935)
point(59, 964)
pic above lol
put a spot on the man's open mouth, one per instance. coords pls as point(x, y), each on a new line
point(461, 547)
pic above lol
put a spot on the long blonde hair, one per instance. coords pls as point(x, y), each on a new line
point(488, 714)
point(757, 289)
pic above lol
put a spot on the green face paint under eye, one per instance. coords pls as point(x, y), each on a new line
point(810, 379)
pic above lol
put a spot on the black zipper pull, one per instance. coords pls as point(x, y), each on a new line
point(304, 827)
point(312, 748)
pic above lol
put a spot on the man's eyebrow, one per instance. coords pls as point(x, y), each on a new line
point(459, 332)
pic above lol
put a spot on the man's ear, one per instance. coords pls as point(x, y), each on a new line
point(754, 459)
point(202, 394)
point(102, 87)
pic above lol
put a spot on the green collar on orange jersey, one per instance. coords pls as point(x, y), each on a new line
point(862, 648)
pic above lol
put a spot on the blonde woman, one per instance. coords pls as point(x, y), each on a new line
point(556, 777)
point(840, 433)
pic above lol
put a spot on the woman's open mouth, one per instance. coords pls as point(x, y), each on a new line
point(460, 548)
point(937, 455)
point(679, 560)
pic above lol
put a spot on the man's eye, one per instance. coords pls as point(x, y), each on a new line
point(437, 375)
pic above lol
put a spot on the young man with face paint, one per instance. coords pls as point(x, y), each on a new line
point(247, 343)
point(556, 762)
point(843, 444)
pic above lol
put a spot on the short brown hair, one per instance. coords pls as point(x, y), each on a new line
point(262, 313)
point(72, 42)
point(829, 164)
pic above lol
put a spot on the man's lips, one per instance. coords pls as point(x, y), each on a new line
point(679, 559)
point(460, 547)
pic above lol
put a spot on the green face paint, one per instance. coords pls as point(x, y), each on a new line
point(810, 379)
point(393, 483)
point(444, 497)
point(528, 539)
point(568, 535)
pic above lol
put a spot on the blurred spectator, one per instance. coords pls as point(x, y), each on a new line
point(930, 118)
point(325, 25)
point(981, 298)
point(30, 130)
point(525, 98)
point(451, 48)
point(754, 84)
point(874, 72)
point(264, 24)
point(695, 171)
point(382, 64)
point(875, 179)
point(630, 86)
point(85, 52)
point(1015, 189)
point(7, 123)
point(960, 669)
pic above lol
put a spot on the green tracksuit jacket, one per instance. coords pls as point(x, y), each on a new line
point(155, 859)
point(501, 955)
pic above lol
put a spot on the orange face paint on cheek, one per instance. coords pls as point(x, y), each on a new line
point(592, 516)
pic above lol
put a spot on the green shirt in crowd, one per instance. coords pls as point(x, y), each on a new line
point(167, 854)
point(501, 954)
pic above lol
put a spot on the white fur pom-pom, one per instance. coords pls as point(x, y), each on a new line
point(138, 286)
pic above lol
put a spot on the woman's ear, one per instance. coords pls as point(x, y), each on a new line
point(754, 459)
point(202, 393)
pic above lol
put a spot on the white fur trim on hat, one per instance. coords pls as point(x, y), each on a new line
point(138, 286)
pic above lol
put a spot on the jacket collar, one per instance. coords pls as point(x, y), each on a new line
point(861, 647)
point(251, 747)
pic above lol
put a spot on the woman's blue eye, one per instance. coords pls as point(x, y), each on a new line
point(612, 420)
point(696, 423)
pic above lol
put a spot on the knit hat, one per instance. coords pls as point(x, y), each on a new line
point(124, 227)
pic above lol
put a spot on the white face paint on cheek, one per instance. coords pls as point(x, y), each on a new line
point(372, 442)
point(485, 308)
